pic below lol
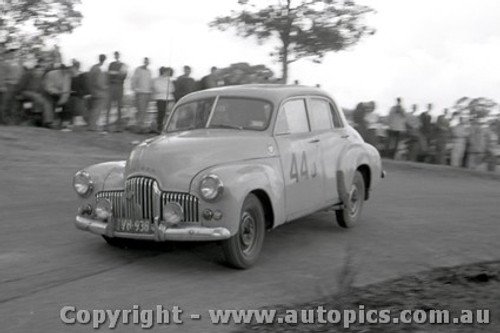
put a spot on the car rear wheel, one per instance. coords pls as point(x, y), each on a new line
point(353, 205)
point(242, 249)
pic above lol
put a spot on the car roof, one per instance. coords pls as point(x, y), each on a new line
point(272, 92)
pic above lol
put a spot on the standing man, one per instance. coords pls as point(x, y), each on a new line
point(359, 118)
point(413, 125)
point(443, 133)
point(372, 125)
point(477, 145)
point(98, 86)
point(142, 85)
point(57, 89)
point(117, 73)
point(163, 90)
point(76, 105)
point(426, 127)
point(460, 134)
point(210, 80)
point(397, 127)
point(184, 84)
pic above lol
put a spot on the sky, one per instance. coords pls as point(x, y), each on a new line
point(425, 51)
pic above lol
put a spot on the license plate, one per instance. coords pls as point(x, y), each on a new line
point(27, 105)
point(134, 226)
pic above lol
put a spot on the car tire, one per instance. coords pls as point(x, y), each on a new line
point(350, 214)
point(242, 250)
point(118, 242)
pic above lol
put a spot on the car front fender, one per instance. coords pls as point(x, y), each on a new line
point(105, 176)
point(240, 179)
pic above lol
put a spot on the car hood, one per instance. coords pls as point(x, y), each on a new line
point(174, 159)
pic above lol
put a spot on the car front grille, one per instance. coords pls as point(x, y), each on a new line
point(143, 200)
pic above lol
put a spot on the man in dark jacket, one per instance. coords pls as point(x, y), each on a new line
point(184, 84)
point(76, 105)
point(117, 73)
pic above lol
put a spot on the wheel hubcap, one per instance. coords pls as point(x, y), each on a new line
point(247, 233)
point(354, 201)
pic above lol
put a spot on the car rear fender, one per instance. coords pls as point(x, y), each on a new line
point(355, 157)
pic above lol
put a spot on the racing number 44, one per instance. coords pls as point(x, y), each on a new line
point(303, 173)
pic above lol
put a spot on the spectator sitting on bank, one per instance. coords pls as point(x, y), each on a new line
point(57, 86)
point(184, 84)
point(31, 89)
point(11, 76)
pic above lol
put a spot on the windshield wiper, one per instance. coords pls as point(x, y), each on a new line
point(226, 126)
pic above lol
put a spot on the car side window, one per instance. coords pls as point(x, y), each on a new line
point(320, 114)
point(293, 118)
point(337, 120)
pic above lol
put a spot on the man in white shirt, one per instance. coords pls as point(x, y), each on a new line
point(142, 85)
point(460, 133)
point(163, 94)
point(397, 127)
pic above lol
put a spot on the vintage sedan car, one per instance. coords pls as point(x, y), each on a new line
point(231, 163)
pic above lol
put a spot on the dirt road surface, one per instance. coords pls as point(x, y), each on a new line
point(418, 219)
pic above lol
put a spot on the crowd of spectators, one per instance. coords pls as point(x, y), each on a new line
point(460, 139)
point(59, 93)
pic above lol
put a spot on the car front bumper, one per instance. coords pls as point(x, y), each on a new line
point(160, 234)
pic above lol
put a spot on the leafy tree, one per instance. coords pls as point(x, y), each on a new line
point(31, 22)
point(305, 28)
point(478, 107)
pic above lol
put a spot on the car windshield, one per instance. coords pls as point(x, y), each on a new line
point(228, 112)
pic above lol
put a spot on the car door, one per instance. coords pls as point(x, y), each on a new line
point(333, 137)
point(300, 159)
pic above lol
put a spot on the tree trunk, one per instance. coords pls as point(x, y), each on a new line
point(284, 66)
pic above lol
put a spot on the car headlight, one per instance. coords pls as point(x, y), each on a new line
point(211, 187)
point(83, 184)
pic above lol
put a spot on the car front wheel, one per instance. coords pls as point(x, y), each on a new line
point(353, 205)
point(242, 249)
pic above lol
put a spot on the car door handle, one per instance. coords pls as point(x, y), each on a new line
point(345, 136)
point(314, 141)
